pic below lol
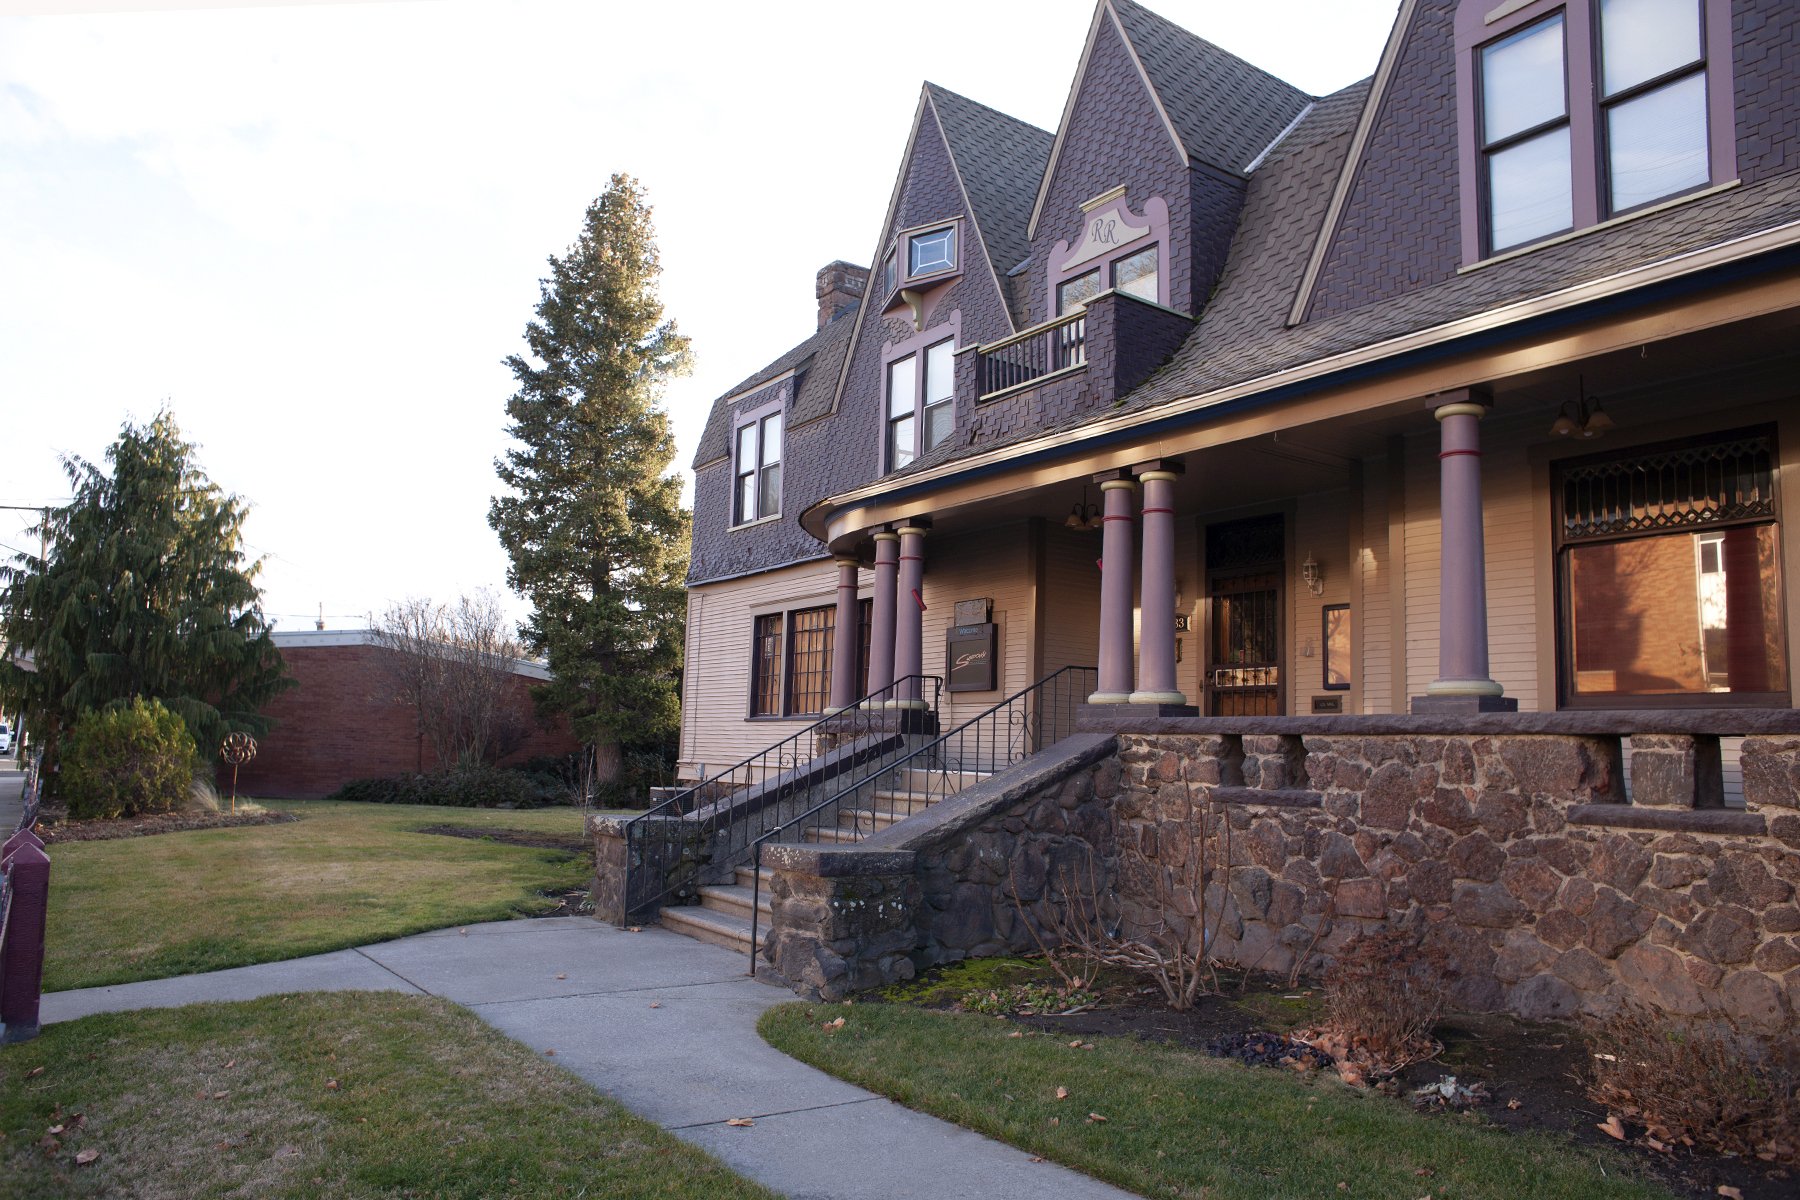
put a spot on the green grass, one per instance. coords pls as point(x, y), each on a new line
point(343, 875)
point(219, 1100)
point(1180, 1124)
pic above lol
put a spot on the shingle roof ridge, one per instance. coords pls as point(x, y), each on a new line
point(1226, 124)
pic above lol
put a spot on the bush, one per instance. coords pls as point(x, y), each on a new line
point(466, 787)
point(1700, 1080)
point(125, 761)
point(1382, 996)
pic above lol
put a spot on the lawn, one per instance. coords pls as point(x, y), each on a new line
point(343, 875)
point(348, 1094)
point(1167, 1122)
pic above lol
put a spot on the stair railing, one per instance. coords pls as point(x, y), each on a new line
point(718, 818)
point(1027, 721)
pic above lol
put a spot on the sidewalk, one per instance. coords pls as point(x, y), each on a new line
point(691, 1063)
point(12, 796)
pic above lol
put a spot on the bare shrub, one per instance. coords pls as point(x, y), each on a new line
point(1383, 994)
point(453, 664)
point(1175, 953)
point(1699, 1081)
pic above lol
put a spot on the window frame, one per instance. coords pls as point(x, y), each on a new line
point(918, 348)
point(758, 419)
point(1562, 577)
point(782, 687)
point(1586, 111)
point(909, 236)
point(820, 673)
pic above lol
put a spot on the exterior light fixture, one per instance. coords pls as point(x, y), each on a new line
point(1084, 515)
point(1313, 575)
point(1582, 416)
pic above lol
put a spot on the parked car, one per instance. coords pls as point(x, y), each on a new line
point(6, 738)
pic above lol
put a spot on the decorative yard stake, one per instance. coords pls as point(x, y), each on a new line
point(237, 749)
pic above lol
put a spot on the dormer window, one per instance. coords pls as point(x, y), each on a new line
point(1580, 113)
point(920, 408)
point(758, 466)
point(931, 253)
point(1073, 295)
point(889, 275)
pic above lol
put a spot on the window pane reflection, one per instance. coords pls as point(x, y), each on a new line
point(1641, 39)
point(1522, 81)
point(1529, 189)
point(1135, 275)
point(1656, 143)
point(1683, 614)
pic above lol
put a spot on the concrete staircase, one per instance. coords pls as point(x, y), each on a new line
point(723, 915)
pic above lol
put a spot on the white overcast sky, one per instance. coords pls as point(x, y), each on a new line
point(315, 230)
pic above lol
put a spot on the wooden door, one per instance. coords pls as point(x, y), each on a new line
point(1245, 646)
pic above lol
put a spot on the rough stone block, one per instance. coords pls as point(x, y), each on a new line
point(1544, 998)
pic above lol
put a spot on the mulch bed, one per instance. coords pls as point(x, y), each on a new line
point(1531, 1071)
point(54, 825)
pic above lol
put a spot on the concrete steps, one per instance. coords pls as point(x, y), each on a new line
point(723, 915)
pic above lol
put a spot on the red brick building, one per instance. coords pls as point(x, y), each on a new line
point(342, 722)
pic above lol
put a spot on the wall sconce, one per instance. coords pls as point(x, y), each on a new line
point(1313, 575)
point(1582, 416)
point(1084, 515)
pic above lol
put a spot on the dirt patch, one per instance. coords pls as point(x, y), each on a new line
point(574, 843)
point(1533, 1071)
point(53, 824)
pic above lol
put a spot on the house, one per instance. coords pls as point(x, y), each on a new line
point(1453, 408)
point(341, 720)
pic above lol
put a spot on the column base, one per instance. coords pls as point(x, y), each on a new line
point(1463, 687)
point(1110, 698)
point(1157, 698)
point(1463, 702)
point(907, 704)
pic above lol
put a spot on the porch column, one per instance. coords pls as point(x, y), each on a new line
point(1116, 581)
point(845, 642)
point(909, 616)
point(881, 615)
point(1462, 681)
point(1156, 597)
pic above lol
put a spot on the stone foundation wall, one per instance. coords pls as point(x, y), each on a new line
point(1517, 854)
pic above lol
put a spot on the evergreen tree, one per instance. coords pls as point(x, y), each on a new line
point(142, 593)
point(594, 524)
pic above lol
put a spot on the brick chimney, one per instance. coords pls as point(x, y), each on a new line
point(840, 284)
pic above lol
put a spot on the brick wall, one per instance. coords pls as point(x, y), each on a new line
point(338, 724)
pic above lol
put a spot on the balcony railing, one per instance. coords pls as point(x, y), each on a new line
point(1041, 351)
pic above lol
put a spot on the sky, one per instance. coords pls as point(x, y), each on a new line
point(314, 231)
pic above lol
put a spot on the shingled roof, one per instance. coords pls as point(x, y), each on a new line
point(819, 357)
point(1225, 110)
point(1001, 160)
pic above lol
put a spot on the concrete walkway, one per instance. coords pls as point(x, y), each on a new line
point(667, 1025)
point(12, 796)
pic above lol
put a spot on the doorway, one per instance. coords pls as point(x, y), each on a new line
point(1245, 568)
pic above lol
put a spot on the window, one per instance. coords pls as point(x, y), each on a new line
point(1587, 111)
point(1135, 275)
point(765, 667)
point(791, 658)
point(1073, 295)
point(758, 469)
point(888, 276)
point(1669, 575)
point(809, 660)
point(931, 252)
point(920, 409)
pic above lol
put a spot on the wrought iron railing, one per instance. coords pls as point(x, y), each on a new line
point(715, 822)
point(1057, 345)
point(1019, 726)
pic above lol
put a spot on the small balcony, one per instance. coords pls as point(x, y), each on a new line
point(1031, 357)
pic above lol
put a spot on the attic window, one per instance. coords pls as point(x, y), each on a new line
point(931, 252)
point(758, 466)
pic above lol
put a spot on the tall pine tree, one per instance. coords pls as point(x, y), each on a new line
point(143, 592)
point(594, 524)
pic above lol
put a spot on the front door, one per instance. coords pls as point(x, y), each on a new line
point(1245, 566)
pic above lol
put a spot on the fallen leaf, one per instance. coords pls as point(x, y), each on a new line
point(287, 1152)
point(1423, 1171)
point(1729, 1192)
point(1087, 1045)
point(837, 1024)
point(1075, 1045)
point(1015, 1033)
point(464, 932)
point(1659, 1147)
point(562, 974)
point(220, 1095)
point(656, 1004)
point(54, 1129)
point(1056, 1120)
point(1612, 1127)
point(1035, 1158)
point(1062, 1093)
point(1342, 1186)
point(34, 1072)
point(231, 1064)
point(549, 1054)
point(86, 1156)
point(741, 1122)
point(634, 929)
point(1096, 1119)
point(331, 1085)
point(1514, 1104)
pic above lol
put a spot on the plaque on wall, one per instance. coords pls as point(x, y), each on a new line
point(969, 658)
point(1328, 704)
point(974, 612)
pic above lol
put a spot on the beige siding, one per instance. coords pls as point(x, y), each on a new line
point(1071, 634)
point(1375, 686)
point(715, 727)
point(994, 564)
point(1321, 528)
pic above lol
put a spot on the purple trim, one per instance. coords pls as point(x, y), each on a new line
point(1149, 228)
